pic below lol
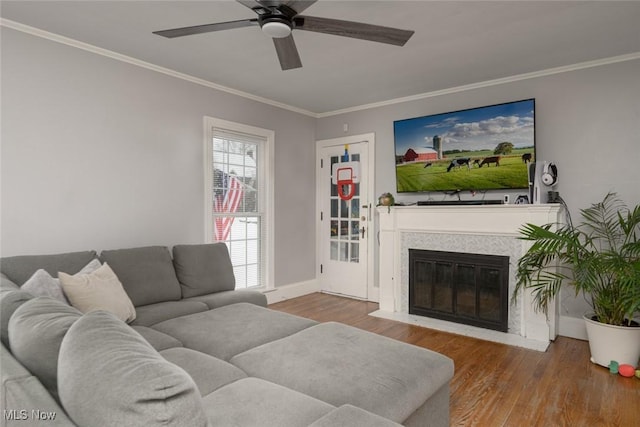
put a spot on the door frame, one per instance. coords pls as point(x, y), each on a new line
point(373, 292)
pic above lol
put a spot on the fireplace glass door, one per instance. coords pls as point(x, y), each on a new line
point(460, 287)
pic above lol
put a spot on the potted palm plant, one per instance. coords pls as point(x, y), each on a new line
point(600, 259)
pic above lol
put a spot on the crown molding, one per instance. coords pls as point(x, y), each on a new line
point(128, 59)
point(488, 83)
point(149, 66)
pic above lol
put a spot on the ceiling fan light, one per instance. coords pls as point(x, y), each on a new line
point(276, 29)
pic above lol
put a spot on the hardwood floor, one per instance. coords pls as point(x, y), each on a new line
point(500, 385)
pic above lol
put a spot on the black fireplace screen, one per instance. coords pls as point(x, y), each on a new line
point(460, 287)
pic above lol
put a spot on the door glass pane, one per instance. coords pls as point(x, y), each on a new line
point(334, 228)
point(355, 249)
point(355, 230)
point(355, 207)
point(333, 251)
point(344, 209)
point(344, 251)
point(344, 229)
point(334, 208)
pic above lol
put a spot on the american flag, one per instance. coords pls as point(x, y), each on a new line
point(226, 199)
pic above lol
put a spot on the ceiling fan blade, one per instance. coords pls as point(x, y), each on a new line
point(356, 30)
point(287, 53)
point(207, 28)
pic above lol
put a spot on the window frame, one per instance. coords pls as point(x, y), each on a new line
point(265, 169)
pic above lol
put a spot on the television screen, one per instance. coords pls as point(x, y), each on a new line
point(486, 148)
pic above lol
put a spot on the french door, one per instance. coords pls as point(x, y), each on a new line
point(345, 222)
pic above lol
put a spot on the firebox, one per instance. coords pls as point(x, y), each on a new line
point(460, 287)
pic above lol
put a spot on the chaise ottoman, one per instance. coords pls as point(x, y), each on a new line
point(340, 365)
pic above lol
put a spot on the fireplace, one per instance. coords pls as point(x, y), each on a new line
point(460, 287)
point(490, 230)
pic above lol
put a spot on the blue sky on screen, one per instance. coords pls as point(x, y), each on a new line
point(473, 129)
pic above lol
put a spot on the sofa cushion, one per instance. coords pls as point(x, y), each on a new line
point(146, 273)
point(350, 416)
point(42, 284)
point(20, 268)
point(203, 269)
point(220, 299)
point(36, 330)
point(109, 374)
point(226, 331)
point(157, 339)
point(353, 367)
point(99, 290)
point(148, 315)
point(9, 302)
point(209, 373)
point(252, 402)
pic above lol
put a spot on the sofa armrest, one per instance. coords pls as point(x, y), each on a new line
point(7, 285)
point(25, 401)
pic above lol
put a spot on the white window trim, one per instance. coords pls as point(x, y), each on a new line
point(267, 163)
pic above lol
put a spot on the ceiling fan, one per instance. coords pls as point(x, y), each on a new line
point(278, 18)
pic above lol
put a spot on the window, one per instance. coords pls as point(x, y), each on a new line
point(238, 197)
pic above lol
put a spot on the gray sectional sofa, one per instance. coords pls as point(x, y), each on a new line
point(198, 352)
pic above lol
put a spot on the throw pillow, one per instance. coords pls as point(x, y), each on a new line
point(36, 330)
point(100, 290)
point(108, 374)
point(42, 284)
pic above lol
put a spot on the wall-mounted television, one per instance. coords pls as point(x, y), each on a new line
point(478, 149)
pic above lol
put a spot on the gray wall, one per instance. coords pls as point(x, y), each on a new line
point(587, 122)
point(100, 154)
point(97, 153)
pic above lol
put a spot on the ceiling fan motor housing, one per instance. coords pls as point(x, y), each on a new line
point(276, 26)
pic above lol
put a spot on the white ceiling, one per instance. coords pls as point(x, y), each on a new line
point(455, 43)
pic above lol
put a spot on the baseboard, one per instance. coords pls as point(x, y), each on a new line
point(293, 290)
point(572, 327)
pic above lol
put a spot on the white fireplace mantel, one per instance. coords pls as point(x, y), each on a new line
point(488, 229)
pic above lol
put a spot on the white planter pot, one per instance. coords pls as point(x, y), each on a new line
point(609, 342)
